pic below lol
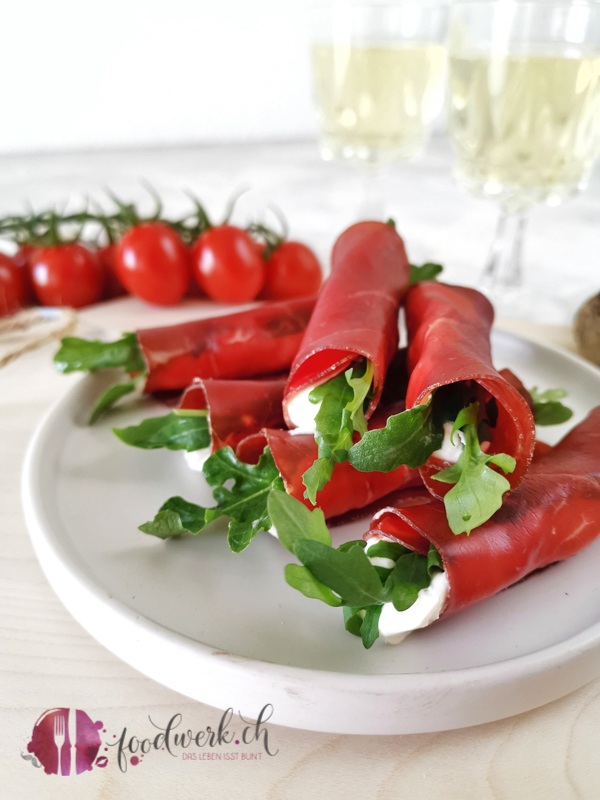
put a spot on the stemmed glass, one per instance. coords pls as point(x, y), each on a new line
point(524, 117)
point(378, 71)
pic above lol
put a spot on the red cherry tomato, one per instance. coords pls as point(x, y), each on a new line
point(66, 275)
point(227, 264)
point(193, 290)
point(152, 263)
point(293, 270)
point(22, 258)
point(23, 255)
point(13, 288)
point(112, 285)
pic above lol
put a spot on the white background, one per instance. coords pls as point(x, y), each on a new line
point(105, 73)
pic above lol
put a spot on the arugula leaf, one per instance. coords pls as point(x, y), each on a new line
point(184, 429)
point(434, 561)
point(403, 581)
point(408, 438)
point(406, 580)
point(363, 622)
point(114, 393)
point(293, 521)
point(369, 630)
point(361, 387)
point(178, 516)
point(478, 489)
point(425, 272)
point(317, 476)
point(353, 619)
point(337, 576)
point(348, 572)
point(346, 576)
point(244, 502)
point(341, 413)
point(388, 550)
point(476, 497)
point(302, 579)
point(547, 408)
point(89, 355)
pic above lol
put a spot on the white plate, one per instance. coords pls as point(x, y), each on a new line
point(226, 629)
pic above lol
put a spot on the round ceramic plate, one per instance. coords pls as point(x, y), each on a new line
point(226, 629)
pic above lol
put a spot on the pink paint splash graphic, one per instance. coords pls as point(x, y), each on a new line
point(65, 741)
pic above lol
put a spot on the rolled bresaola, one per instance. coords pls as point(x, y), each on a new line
point(356, 314)
point(449, 357)
point(236, 409)
point(259, 341)
point(553, 514)
point(347, 490)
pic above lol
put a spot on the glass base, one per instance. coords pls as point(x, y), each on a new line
point(372, 152)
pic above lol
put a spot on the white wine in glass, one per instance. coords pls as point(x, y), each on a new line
point(524, 115)
point(377, 103)
point(379, 75)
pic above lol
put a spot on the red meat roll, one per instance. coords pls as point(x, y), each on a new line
point(450, 359)
point(348, 489)
point(259, 341)
point(236, 408)
point(356, 314)
point(551, 516)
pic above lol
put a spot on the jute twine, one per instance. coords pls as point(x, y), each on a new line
point(31, 328)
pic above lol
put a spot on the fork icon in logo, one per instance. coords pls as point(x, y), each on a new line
point(65, 741)
point(59, 741)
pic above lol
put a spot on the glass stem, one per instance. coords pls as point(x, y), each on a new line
point(504, 265)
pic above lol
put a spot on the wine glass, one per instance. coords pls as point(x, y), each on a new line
point(378, 70)
point(524, 119)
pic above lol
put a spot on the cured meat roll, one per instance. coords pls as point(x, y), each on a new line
point(469, 428)
point(347, 489)
point(259, 341)
point(450, 363)
point(236, 409)
point(551, 516)
point(356, 314)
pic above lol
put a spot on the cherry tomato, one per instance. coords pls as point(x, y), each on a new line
point(293, 270)
point(227, 264)
point(13, 291)
point(66, 275)
point(152, 263)
point(193, 290)
point(23, 255)
point(22, 258)
point(112, 285)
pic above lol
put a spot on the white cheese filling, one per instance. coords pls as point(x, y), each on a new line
point(302, 412)
point(452, 446)
point(394, 626)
